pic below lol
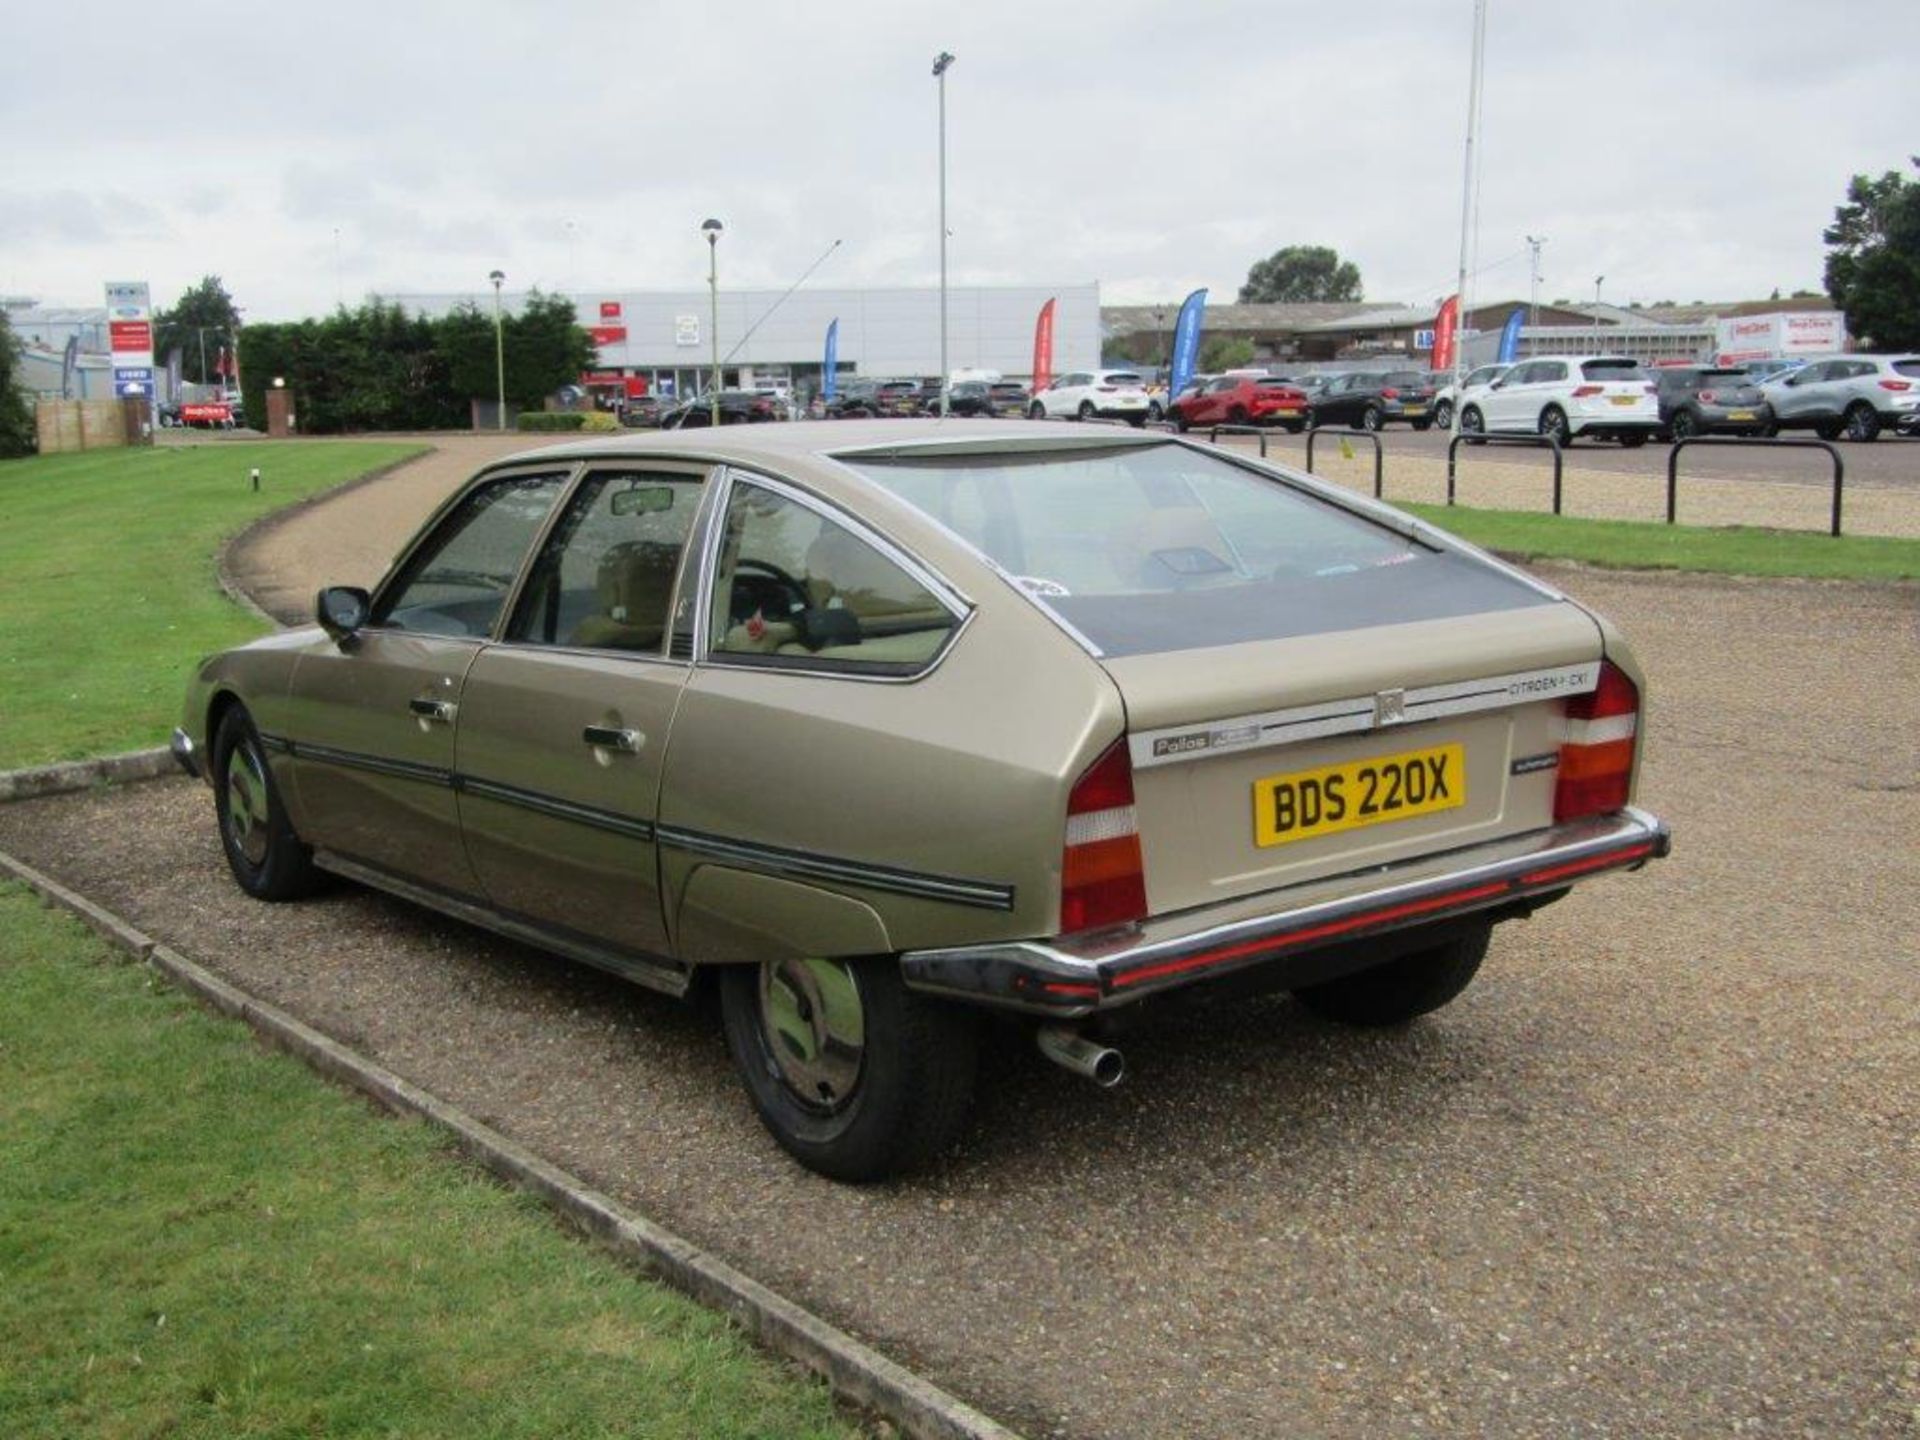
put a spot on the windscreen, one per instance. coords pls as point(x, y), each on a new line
point(1149, 548)
point(1612, 370)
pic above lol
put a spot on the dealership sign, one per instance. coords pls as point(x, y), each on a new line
point(1776, 336)
point(609, 334)
point(130, 326)
point(609, 310)
point(686, 329)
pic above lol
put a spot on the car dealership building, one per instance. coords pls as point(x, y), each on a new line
point(661, 341)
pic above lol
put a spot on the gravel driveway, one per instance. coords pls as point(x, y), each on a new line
point(1655, 1174)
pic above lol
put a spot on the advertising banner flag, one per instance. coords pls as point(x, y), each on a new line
point(1043, 348)
point(830, 364)
point(1445, 327)
point(1510, 338)
point(1186, 341)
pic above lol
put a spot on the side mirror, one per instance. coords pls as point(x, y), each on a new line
point(342, 610)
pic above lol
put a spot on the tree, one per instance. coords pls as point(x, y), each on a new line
point(1301, 272)
point(1225, 352)
point(16, 415)
point(1873, 259)
point(204, 320)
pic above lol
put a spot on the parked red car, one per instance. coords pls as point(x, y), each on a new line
point(1243, 400)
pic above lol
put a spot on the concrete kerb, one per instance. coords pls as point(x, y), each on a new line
point(152, 764)
point(855, 1372)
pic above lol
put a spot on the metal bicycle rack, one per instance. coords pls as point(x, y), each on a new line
point(1752, 442)
point(1535, 441)
point(1379, 455)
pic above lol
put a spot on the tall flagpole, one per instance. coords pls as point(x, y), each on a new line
point(1466, 197)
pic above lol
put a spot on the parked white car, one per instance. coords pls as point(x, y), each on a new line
point(1604, 397)
point(1091, 394)
point(1475, 381)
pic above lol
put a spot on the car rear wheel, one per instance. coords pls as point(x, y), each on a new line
point(1403, 989)
point(1370, 418)
point(1862, 422)
point(268, 860)
point(1553, 425)
point(856, 1076)
point(1684, 425)
point(1443, 415)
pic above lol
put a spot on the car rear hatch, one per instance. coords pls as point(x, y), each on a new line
point(1615, 389)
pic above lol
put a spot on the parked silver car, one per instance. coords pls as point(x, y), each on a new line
point(1855, 396)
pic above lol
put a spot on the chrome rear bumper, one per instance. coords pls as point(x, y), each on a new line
point(1078, 975)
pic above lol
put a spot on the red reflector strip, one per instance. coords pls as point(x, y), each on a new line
point(1312, 932)
point(1592, 862)
point(1062, 987)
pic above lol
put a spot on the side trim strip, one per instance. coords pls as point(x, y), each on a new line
point(980, 893)
point(778, 860)
point(1176, 743)
point(559, 809)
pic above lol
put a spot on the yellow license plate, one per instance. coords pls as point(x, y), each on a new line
point(1416, 409)
point(1623, 399)
point(1740, 414)
point(1306, 803)
point(1288, 414)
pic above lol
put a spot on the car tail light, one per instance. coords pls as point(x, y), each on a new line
point(1389, 393)
point(1707, 397)
point(1581, 392)
point(1596, 749)
point(1102, 879)
point(1895, 385)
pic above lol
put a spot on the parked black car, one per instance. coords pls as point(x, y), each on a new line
point(1705, 399)
point(737, 407)
point(1009, 397)
point(643, 411)
point(1369, 399)
point(864, 399)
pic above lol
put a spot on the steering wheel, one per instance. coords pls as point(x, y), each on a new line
point(795, 592)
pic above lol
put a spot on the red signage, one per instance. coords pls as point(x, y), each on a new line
point(636, 386)
point(1445, 324)
point(609, 309)
point(1043, 348)
point(609, 334)
point(219, 413)
point(601, 377)
point(130, 335)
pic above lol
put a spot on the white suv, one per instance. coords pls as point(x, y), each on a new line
point(1084, 394)
point(1605, 397)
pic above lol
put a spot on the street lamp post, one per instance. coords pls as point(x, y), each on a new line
point(499, 278)
point(941, 63)
point(711, 229)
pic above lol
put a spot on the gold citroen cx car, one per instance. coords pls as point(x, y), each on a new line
point(882, 726)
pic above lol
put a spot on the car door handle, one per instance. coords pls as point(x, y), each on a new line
point(440, 710)
point(609, 737)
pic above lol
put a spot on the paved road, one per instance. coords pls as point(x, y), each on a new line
point(1653, 1175)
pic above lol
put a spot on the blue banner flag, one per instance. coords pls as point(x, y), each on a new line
point(830, 367)
point(1186, 341)
point(1510, 338)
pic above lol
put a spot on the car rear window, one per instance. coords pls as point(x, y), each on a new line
point(1612, 370)
point(1906, 367)
point(1120, 377)
point(1412, 378)
point(1275, 385)
point(1152, 548)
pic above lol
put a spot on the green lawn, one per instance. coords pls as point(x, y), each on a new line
point(107, 586)
point(1639, 545)
point(198, 1238)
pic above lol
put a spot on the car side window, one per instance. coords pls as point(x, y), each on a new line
point(795, 589)
point(605, 578)
point(1551, 372)
point(456, 582)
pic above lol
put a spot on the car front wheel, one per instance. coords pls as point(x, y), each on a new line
point(1553, 425)
point(267, 859)
point(1036, 411)
point(1370, 418)
point(1443, 415)
point(1473, 424)
point(855, 1075)
point(1085, 411)
point(1403, 989)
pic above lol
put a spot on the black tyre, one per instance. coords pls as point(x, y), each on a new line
point(1403, 989)
point(1086, 410)
point(1154, 412)
point(1180, 421)
point(267, 859)
point(1862, 422)
point(1036, 411)
point(1768, 431)
point(1443, 415)
point(857, 1077)
point(1684, 425)
point(1473, 424)
point(1370, 418)
point(1237, 415)
point(1553, 424)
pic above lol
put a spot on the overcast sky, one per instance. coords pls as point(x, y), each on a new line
point(1682, 150)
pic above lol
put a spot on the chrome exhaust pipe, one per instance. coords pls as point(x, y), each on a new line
point(1067, 1047)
